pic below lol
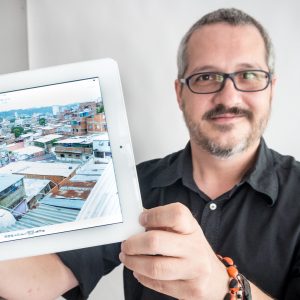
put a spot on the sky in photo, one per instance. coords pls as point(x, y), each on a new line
point(57, 94)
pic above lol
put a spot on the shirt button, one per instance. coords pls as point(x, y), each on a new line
point(213, 206)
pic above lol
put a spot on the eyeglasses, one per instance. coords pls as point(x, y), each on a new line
point(213, 82)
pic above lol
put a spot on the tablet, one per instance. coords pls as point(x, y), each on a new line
point(67, 171)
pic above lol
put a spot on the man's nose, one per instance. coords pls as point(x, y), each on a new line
point(229, 95)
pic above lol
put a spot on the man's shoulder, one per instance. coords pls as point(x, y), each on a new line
point(285, 163)
point(153, 167)
point(157, 174)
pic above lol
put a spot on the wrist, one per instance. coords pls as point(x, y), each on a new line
point(239, 287)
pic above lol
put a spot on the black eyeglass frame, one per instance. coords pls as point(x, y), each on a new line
point(231, 76)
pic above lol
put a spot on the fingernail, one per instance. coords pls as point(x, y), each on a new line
point(143, 218)
point(122, 256)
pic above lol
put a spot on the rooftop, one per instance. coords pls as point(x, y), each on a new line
point(34, 186)
point(30, 150)
point(88, 139)
point(102, 137)
point(43, 215)
point(48, 138)
point(39, 168)
point(86, 178)
point(6, 180)
point(90, 168)
point(74, 190)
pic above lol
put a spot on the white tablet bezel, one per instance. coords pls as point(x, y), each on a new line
point(126, 177)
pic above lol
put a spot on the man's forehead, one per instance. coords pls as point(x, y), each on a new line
point(220, 32)
point(222, 41)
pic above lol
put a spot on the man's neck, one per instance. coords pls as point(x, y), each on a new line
point(214, 176)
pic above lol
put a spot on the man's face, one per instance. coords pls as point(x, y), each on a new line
point(229, 121)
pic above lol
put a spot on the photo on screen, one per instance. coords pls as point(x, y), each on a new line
point(56, 167)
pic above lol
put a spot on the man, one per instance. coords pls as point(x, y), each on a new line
point(226, 193)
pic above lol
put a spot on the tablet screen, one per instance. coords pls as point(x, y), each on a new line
point(56, 164)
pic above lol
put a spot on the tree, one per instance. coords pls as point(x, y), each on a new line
point(17, 131)
point(100, 109)
point(42, 121)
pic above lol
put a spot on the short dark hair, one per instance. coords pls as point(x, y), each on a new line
point(230, 16)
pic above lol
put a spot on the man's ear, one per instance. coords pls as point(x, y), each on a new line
point(178, 89)
point(273, 85)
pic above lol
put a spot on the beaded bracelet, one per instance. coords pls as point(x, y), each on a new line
point(239, 287)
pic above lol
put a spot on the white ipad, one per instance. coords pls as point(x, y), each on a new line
point(67, 171)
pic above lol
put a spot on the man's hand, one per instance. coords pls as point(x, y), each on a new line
point(173, 256)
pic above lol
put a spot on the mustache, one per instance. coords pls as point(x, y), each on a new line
point(221, 109)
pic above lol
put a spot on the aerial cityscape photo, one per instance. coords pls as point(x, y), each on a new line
point(55, 157)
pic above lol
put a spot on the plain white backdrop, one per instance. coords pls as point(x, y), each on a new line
point(143, 37)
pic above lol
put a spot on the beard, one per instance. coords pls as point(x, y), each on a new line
point(232, 146)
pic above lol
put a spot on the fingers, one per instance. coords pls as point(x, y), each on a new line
point(179, 289)
point(160, 267)
point(175, 217)
point(157, 242)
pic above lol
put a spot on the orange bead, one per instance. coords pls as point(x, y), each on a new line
point(234, 290)
point(232, 271)
point(228, 260)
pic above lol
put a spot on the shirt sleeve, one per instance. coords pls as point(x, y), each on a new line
point(89, 265)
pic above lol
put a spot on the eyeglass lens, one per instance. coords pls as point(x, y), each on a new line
point(210, 82)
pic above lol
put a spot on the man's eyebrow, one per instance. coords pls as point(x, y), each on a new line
point(250, 66)
point(206, 68)
point(238, 67)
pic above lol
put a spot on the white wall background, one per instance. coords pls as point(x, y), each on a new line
point(13, 36)
point(143, 37)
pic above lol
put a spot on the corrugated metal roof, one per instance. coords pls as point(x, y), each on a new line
point(103, 199)
point(78, 194)
point(62, 202)
point(43, 215)
point(80, 178)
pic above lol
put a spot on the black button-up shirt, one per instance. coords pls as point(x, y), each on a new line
point(257, 224)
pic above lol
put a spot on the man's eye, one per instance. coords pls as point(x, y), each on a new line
point(203, 77)
point(208, 77)
point(249, 75)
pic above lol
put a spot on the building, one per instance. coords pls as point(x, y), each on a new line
point(28, 152)
point(4, 155)
point(47, 141)
point(64, 128)
point(48, 129)
point(75, 149)
point(55, 172)
point(27, 138)
point(86, 119)
point(78, 122)
point(103, 201)
point(12, 192)
point(69, 194)
point(36, 190)
point(101, 148)
point(43, 215)
point(96, 123)
point(90, 171)
point(55, 110)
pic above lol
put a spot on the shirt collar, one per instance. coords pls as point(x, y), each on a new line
point(261, 177)
point(175, 169)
